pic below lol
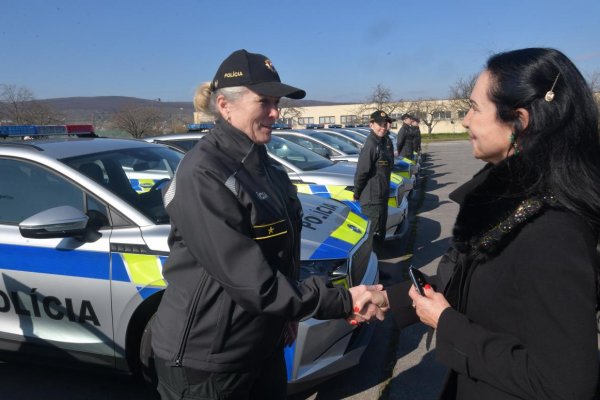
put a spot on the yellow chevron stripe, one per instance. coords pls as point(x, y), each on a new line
point(343, 232)
point(144, 269)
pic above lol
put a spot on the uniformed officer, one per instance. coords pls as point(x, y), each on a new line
point(372, 177)
point(232, 292)
point(405, 142)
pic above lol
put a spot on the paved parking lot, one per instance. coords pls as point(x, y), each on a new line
point(396, 366)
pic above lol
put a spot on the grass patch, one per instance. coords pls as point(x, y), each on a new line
point(435, 137)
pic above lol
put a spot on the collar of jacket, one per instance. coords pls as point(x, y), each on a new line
point(493, 208)
point(377, 138)
point(238, 146)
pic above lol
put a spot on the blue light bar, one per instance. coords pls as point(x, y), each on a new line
point(200, 127)
point(17, 130)
point(51, 130)
point(32, 130)
point(281, 126)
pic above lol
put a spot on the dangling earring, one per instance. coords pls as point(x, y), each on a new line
point(513, 143)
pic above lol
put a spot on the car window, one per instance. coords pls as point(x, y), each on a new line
point(336, 143)
point(309, 144)
point(134, 174)
point(342, 136)
point(297, 155)
point(27, 188)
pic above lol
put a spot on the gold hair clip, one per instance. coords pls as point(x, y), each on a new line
point(550, 93)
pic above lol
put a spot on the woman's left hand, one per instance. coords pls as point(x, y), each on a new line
point(428, 307)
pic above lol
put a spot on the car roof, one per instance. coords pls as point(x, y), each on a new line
point(58, 148)
point(174, 136)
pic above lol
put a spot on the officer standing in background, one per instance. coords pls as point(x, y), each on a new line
point(416, 134)
point(372, 178)
point(405, 145)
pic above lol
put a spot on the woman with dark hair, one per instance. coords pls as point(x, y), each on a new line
point(516, 301)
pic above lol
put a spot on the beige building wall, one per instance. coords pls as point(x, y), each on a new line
point(446, 115)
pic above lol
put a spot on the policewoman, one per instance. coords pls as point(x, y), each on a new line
point(372, 176)
point(232, 295)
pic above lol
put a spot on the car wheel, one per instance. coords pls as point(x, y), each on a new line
point(147, 370)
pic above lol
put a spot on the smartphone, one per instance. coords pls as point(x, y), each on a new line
point(418, 279)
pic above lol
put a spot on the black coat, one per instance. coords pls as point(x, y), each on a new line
point(405, 143)
point(373, 171)
point(235, 258)
point(521, 278)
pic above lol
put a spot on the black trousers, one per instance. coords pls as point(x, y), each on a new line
point(266, 381)
point(377, 214)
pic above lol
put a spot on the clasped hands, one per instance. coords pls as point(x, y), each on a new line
point(369, 302)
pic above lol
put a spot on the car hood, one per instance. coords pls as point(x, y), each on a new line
point(336, 174)
point(329, 230)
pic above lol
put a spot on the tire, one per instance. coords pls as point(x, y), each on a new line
point(147, 369)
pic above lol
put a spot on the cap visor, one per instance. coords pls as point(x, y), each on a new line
point(277, 89)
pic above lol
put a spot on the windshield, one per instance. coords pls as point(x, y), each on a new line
point(296, 155)
point(134, 174)
point(335, 143)
point(353, 135)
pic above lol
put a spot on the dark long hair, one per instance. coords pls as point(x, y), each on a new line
point(559, 150)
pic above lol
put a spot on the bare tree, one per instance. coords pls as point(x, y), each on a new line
point(460, 92)
point(18, 106)
point(428, 111)
point(379, 99)
point(288, 110)
point(137, 121)
point(594, 82)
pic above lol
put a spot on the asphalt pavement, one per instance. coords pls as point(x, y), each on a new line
point(396, 365)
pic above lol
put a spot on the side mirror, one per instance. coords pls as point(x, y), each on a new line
point(57, 222)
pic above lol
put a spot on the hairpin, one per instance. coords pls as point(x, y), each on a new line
point(550, 93)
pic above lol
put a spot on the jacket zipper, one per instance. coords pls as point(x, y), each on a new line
point(189, 320)
point(288, 219)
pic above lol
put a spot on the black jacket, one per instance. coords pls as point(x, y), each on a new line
point(405, 142)
point(373, 171)
point(416, 137)
point(521, 280)
point(235, 246)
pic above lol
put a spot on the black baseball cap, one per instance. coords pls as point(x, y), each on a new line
point(405, 116)
point(380, 116)
point(254, 71)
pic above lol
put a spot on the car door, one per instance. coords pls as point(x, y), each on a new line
point(55, 294)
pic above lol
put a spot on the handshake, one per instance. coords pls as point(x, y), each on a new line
point(369, 302)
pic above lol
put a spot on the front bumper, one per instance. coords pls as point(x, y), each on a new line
point(324, 348)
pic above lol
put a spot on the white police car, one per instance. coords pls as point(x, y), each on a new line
point(81, 252)
point(317, 175)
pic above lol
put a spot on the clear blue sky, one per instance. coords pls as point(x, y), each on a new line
point(337, 50)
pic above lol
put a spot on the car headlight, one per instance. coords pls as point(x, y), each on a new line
point(334, 271)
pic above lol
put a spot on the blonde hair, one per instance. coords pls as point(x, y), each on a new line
point(205, 99)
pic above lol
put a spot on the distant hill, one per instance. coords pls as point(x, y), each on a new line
point(97, 110)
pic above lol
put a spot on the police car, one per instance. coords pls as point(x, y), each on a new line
point(326, 145)
point(314, 174)
point(82, 247)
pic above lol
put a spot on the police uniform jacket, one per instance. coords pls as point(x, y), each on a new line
point(521, 279)
point(416, 136)
point(373, 171)
point(405, 144)
point(234, 259)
